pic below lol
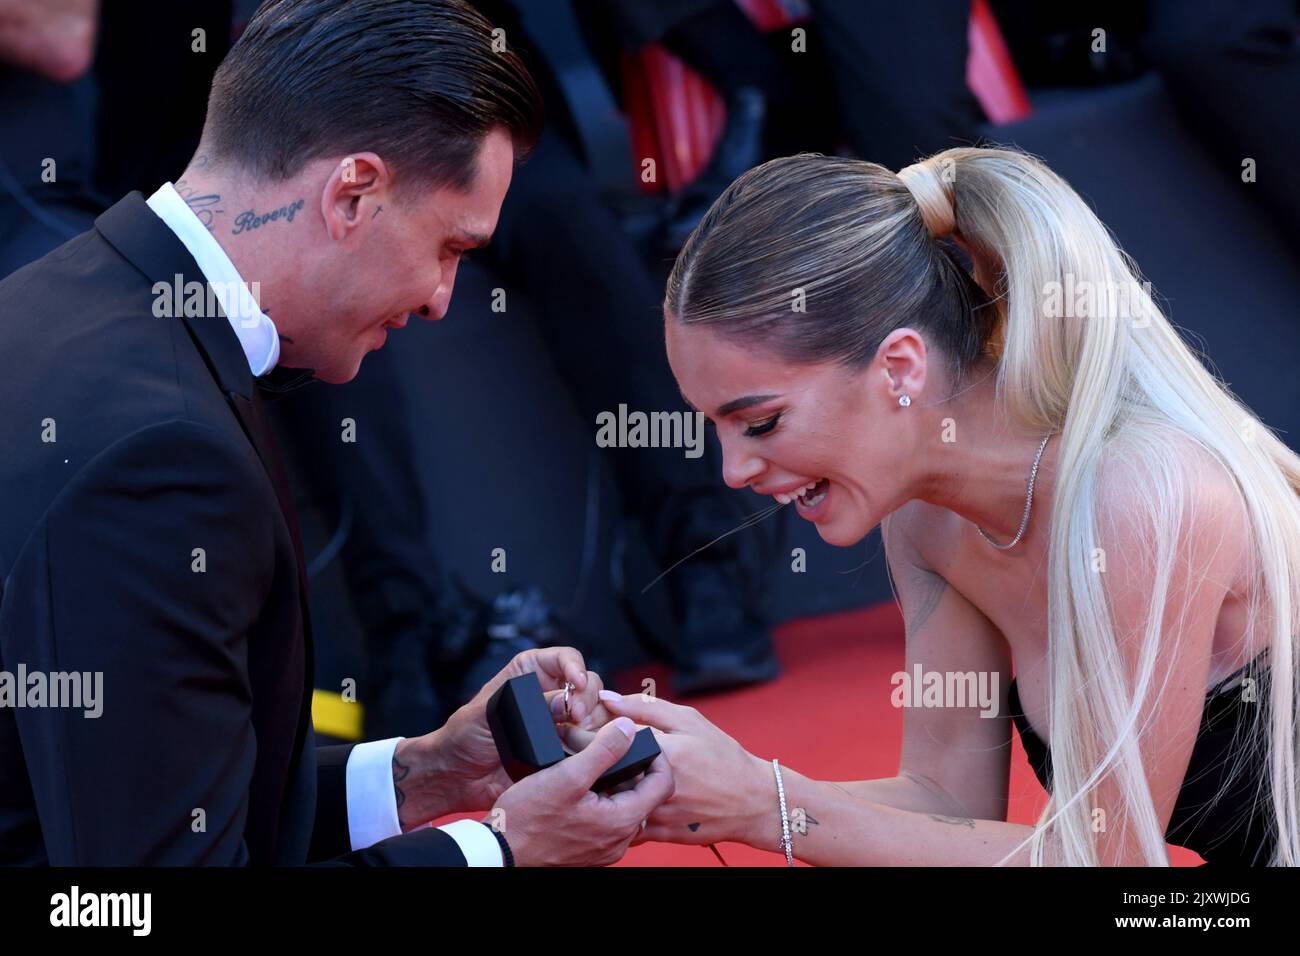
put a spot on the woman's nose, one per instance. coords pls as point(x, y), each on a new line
point(739, 468)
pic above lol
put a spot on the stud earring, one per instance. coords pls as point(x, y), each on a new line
point(905, 400)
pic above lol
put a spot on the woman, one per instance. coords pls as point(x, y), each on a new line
point(1061, 485)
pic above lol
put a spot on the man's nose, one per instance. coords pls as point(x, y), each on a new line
point(436, 307)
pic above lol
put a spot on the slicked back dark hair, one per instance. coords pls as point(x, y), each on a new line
point(415, 81)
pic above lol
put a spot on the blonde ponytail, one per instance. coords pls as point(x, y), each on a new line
point(1084, 349)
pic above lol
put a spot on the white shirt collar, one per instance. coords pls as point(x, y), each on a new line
point(256, 331)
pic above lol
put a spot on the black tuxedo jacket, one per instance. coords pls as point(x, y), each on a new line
point(129, 442)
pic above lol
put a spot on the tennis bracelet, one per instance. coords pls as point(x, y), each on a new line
point(785, 844)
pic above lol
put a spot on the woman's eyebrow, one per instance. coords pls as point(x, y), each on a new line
point(735, 405)
point(748, 401)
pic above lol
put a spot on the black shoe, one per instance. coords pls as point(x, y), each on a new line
point(718, 596)
point(461, 627)
point(519, 619)
point(415, 668)
point(723, 670)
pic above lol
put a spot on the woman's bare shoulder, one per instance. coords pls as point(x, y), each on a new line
point(1124, 474)
point(1211, 500)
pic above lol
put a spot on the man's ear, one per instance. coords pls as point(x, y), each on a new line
point(355, 189)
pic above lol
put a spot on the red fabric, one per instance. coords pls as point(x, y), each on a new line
point(769, 15)
point(675, 116)
point(990, 72)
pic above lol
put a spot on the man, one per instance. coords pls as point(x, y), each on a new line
point(149, 552)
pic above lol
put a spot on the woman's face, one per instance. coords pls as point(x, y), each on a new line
point(783, 427)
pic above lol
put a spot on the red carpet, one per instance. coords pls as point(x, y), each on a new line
point(828, 716)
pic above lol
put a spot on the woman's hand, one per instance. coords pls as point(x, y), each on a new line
point(723, 792)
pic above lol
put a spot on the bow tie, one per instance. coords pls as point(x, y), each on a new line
point(280, 381)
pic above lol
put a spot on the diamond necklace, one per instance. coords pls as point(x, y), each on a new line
point(1029, 501)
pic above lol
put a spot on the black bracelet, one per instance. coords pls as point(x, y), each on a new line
point(506, 855)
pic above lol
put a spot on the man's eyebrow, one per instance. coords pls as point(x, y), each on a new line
point(473, 239)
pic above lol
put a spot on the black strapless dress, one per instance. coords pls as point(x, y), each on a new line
point(1235, 829)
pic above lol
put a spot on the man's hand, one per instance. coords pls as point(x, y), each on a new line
point(552, 818)
point(457, 767)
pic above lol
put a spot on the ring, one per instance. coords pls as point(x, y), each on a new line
point(568, 689)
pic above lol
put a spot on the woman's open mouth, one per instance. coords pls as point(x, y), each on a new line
point(810, 495)
point(813, 494)
point(813, 501)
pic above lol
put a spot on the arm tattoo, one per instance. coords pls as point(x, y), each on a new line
point(400, 773)
point(205, 206)
point(955, 821)
point(931, 588)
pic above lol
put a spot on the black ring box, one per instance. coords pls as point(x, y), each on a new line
point(527, 740)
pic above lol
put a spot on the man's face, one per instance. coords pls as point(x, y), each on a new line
point(399, 260)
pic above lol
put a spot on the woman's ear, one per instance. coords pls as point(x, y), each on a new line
point(902, 358)
point(355, 188)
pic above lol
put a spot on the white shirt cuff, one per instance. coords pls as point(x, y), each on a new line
point(476, 841)
point(372, 807)
point(372, 799)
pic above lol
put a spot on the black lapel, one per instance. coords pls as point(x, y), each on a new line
point(138, 234)
point(132, 228)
